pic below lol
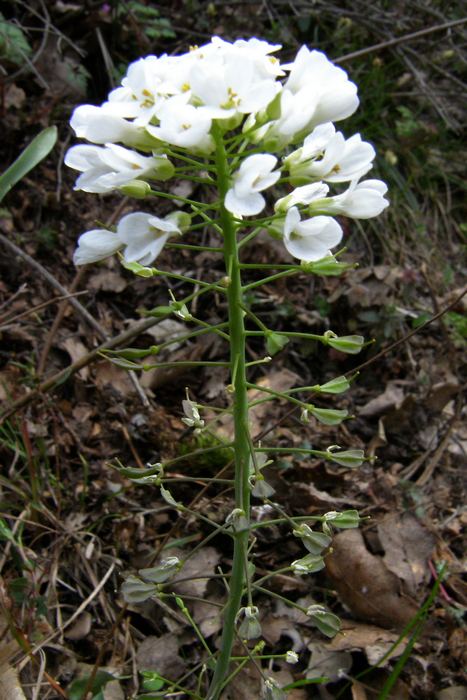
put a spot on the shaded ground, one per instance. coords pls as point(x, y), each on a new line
point(73, 528)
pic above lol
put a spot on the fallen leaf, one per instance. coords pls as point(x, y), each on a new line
point(160, 654)
point(107, 281)
point(80, 628)
point(407, 547)
point(76, 351)
point(327, 662)
point(374, 641)
point(365, 584)
point(454, 692)
point(10, 688)
point(392, 396)
point(203, 564)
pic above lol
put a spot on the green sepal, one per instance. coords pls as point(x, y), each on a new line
point(334, 386)
point(138, 269)
point(345, 520)
point(347, 458)
point(327, 623)
point(350, 344)
point(275, 342)
point(328, 416)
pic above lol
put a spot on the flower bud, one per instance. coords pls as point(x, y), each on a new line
point(308, 565)
point(136, 188)
point(315, 542)
point(344, 520)
point(334, 386)
point(272, 691)
point(238, 520)
point(328, 416)
point(347, 458)
point(326, 267)
point(250, 627)
point(275, 342)
point(327, 623)
point(162, 572)
point(136, 591)
point(261, 488)
point(351, 344)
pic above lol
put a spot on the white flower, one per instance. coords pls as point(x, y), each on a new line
point(315, 92)
point(144, 236)
point(334, 95)
point(183, 125)
point(362, 200)
point(141, 236)
point(104, 168)
point(232, 83)
point(302, 195)
point(96, 245)
point(327, 155)
point(192, 418)
point(253, 176)
point(310, 239)
point(104, 125)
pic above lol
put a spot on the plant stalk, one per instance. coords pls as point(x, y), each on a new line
point(240, 415)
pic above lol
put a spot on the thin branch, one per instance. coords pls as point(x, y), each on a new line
point(400, 40)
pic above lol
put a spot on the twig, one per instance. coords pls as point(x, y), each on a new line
point(409, 335)
point(400, 40)
point(57, 379)
point(74, 302)
point(5, 321)
point(56, 323)
point(77, 612)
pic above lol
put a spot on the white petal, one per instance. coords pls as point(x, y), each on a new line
point(135, 225)
point(247, 205)
point(96, 245)
point(310, 239)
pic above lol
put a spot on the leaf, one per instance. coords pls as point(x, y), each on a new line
point(36, 151)
point(77, 688)
point(14, 46)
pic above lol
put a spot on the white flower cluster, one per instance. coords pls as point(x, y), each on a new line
point(167, 106)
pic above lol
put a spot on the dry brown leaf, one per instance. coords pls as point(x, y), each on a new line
point(327, 662)
point(161, 654)
point(392, 396)
point(80, 628)
point(76, 351)
point(375, 641)
point(454, 692)
point(208, 617)
point(365, 585)
point(407, 547)
point(107, 281)
point(108, 374)
point(10, 688)
point(203, 563)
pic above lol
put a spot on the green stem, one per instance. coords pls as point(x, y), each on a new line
point(240, 415)
point(272, 278)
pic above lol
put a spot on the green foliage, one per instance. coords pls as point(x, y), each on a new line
point(152, 25)
point(34, 152)
point(100, 680)
point(457, 324)
point(14, 47)
point(213, 460)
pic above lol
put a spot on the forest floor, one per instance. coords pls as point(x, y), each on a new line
point(73, 527)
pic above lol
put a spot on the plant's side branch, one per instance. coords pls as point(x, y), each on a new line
point(400, 40)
